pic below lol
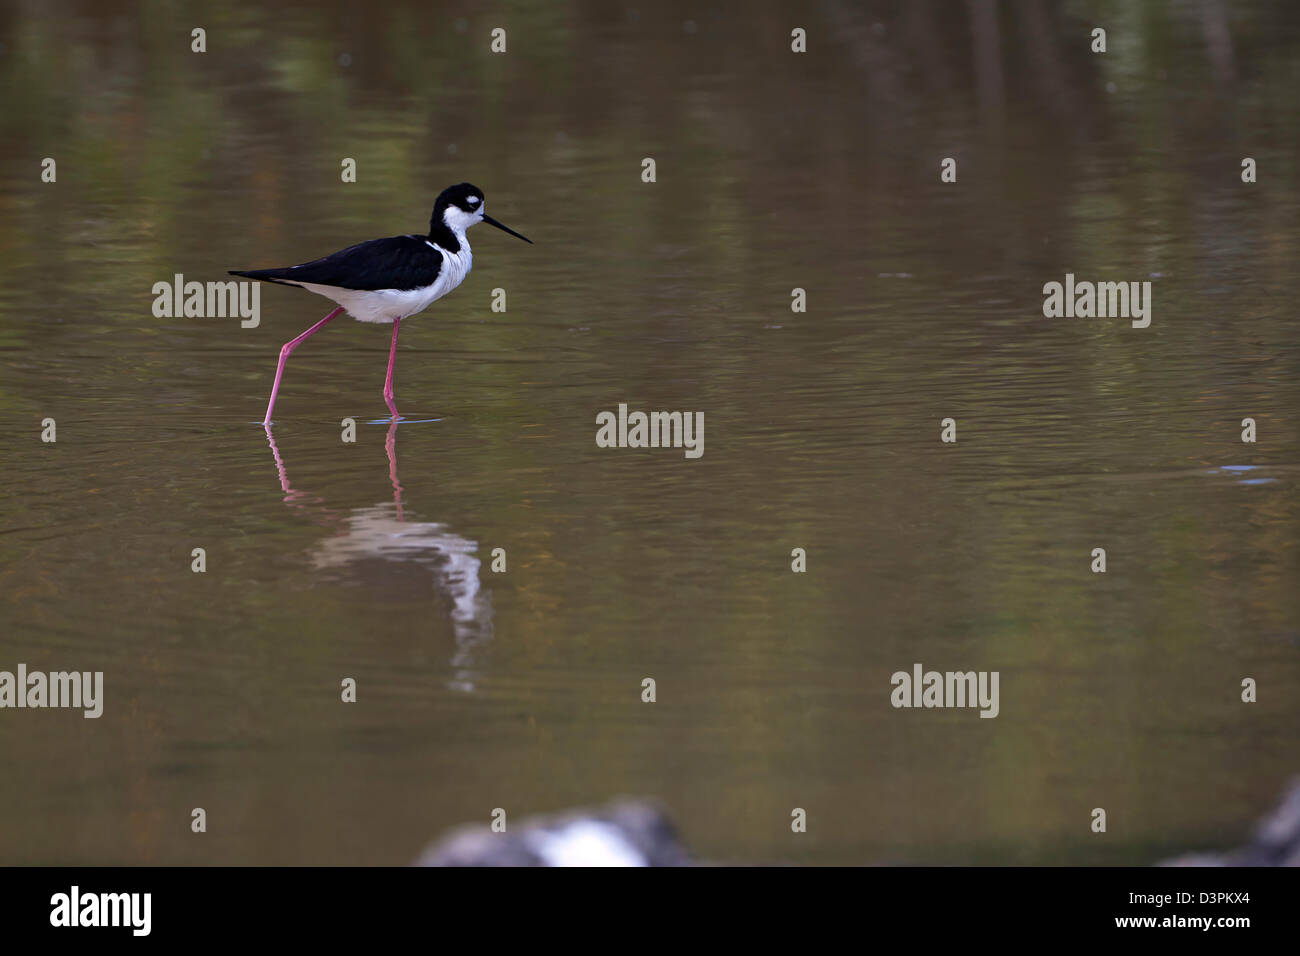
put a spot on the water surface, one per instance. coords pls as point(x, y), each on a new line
point(522, 689)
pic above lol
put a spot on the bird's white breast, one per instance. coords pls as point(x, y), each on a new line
point(385, 305)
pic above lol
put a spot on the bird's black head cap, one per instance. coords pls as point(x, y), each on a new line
point(464, 196)
point(459, 207)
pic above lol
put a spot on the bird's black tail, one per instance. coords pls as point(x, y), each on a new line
point(264, 275)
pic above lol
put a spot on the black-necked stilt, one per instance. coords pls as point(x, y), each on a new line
point(387, 280)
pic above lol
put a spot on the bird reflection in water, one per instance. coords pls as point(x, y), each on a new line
point(382, 532)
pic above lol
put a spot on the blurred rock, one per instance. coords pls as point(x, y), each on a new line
point(624, 833)
point(639, 833)
point(1276, 841)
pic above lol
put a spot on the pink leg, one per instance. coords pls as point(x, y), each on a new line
point(388, 383)
point(286, 351)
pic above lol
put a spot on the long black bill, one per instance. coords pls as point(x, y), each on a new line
point(492, 222)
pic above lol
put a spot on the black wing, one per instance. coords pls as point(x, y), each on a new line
point(400, 262)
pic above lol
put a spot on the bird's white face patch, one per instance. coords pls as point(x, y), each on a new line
point(473, 200)
point(458, 220)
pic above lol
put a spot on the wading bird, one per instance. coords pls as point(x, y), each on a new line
point(387, 280)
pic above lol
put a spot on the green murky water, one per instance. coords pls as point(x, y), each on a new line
point(775, 170)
